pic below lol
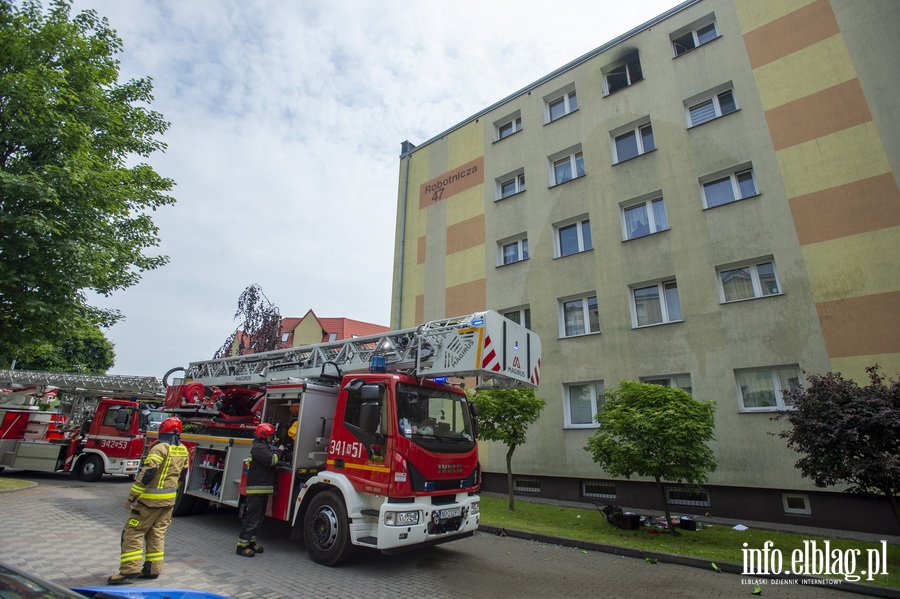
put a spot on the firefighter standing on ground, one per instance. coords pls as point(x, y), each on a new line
point(151, 501)
point(260, 484)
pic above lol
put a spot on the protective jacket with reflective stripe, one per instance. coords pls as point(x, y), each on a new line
point(261, 474)
point(156, 485)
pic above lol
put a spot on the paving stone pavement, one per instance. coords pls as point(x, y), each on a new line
point(68, 531)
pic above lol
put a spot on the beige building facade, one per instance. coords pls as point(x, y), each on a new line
point(709, 201)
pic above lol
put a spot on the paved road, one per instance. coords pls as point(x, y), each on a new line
point(68, 532)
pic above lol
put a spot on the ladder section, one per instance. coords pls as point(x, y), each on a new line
point(110, 385)
point(484, 344)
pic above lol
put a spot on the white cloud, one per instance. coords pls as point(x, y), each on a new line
point(287, 119)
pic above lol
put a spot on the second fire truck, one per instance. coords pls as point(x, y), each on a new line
point(384, 455)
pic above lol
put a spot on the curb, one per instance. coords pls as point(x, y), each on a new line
point(30, 485)
point(681, 560)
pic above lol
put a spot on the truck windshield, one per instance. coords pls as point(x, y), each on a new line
point(434, 418)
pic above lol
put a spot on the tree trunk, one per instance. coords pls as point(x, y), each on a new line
point(665, 502)
point(509, 478)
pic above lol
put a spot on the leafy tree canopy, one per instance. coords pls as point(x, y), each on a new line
point(260, 328)
point(848, 434)
point(74, 202)
point(655, 431)
point(87, 352)
point(504, 415)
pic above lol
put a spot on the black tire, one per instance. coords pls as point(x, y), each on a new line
point(326, 530)
point(184, 504)
point(90, 468)
point(200, 506)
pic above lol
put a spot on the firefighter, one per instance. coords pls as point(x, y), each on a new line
point(151, 501)
point(260, 485)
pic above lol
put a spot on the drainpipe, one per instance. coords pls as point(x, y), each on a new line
point(406, 149)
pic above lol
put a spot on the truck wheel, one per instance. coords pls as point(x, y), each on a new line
point(326, 530)
point(184, 504)
point(90, 468)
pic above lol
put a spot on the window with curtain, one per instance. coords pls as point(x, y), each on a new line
point(748, 281)
point(710, 108)
point(580, 316)
point(762, 389)
point(656, 304)
point(645, 218)
point(731, 188)
point(582, 402)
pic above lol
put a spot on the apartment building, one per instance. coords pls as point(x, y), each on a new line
point(708, 201)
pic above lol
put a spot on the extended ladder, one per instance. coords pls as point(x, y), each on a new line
point(484, 344)
point(108, 385)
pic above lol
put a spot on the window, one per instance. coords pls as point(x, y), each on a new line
point(510, 184)
point(644, 218)
point(507, 126)
point(681, 381)
point(687, 495)
point(519, 316)
point(748, 281)
point(579, 316)
point(730, 188)
point(762, 390)
point(710, 108)
point(796, 503)
point(622, 74)
point(633, 142)
point(656, 304)
point(567, 166)
point(582, 402)
point(603, 490)
point(559, 105)
point(512, 250)
point(527, 485)
point(573, 237)
point(697, 36)
point(285, 337)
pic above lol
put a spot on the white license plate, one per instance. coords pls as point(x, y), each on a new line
point(452, 512)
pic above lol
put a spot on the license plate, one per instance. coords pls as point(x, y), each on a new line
point(453, 512)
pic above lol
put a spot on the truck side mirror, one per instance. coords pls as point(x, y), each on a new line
point(370, 392)
point(121, 419)
point(369, 416)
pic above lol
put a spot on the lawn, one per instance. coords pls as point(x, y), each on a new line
point(716, 543)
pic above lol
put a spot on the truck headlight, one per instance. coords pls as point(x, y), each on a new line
point(475, 509)
point(129, 464)
point(401, 518)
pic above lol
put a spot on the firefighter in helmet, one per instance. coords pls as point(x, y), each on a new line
point(260, 485)
point(151, 501)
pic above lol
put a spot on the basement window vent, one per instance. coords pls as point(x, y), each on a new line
point(603, 490)
point(692, 496)
point(795, 503)
point(527, 485)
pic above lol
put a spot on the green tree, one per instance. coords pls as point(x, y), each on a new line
point(75, 202)
point(260, 328)
point(504, 415)
point(848, 434)
point(88, 351)
point(655, 431)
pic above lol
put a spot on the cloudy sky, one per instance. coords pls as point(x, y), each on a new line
point(286, 123)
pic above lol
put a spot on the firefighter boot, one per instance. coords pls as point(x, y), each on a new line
point(256, 548)
point(146, 573)
point(118, 579)
point(245, 550)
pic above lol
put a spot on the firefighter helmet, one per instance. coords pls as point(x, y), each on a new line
point(170, 425)
point(264, 430)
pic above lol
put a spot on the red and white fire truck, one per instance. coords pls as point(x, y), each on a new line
point(98, 427)
point(385, 453)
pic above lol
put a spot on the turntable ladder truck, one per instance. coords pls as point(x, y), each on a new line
point(98, 428)
point(385, 453)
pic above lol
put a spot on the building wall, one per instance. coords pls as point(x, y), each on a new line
point(816, 122)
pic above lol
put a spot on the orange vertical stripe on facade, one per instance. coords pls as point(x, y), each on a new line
point(466, 298)
point(420, 309)
point(794, 31)
point(859, 207)
point(861, 326)
point(420, 250)
point(827, 111)
point(464, 235)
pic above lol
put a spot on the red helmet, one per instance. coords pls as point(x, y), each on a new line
point(170, 425)
point(264, 430)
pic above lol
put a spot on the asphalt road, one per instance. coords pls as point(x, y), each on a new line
point(68, 531)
